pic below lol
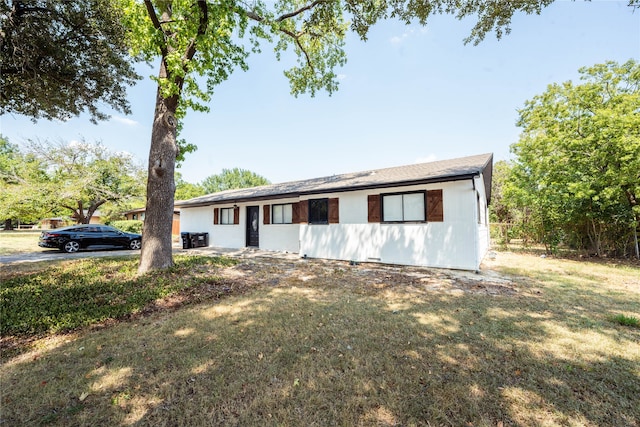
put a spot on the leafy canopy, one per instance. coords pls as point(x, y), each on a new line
point(204, 41)
point(230, 179)
point(20, 199)
point(578, 159)
point(61, 58)
point(81, 177)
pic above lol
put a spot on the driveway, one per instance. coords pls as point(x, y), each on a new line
point(54, 254)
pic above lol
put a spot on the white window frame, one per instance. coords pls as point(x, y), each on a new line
point(400, 206)
point(226, 216)
point(285, 216)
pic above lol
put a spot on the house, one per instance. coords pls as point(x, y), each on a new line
point(431, 214)
point(58, 222)
point(138, 214)
point(51, 223)
point(96, 217)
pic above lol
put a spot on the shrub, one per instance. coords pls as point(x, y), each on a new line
point(130, 226)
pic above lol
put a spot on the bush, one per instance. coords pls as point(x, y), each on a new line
point(130, 226)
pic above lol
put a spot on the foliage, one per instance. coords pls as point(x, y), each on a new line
point(186, 190)
point(230, 179)
point(500, 211)
point(19, 200)
point(576, 176)
point(80, 293)
point(61, 58)
point(81, 177)
point(130, 226)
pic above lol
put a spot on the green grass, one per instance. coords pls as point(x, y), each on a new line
point(625, 320)
point(70, 295)
point(323, 343)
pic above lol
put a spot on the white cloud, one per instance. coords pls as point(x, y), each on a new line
point(427, 159)
point(342, 76)
point(409, 33)
point(399, 39)
point(124, 121)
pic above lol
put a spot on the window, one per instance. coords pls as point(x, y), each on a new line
point(318, 211)
point(406, 207)
point(282, 214)
point(226, 216)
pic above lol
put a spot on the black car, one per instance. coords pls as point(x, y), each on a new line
point(74, 238)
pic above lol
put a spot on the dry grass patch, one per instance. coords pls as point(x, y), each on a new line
point(15, 242)
point(325, 343)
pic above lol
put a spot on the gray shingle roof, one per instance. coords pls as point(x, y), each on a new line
point(419, 173)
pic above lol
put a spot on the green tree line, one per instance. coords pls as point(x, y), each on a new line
point(575, 177)
point(46, 179)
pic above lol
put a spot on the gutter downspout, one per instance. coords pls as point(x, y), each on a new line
point(476, 243)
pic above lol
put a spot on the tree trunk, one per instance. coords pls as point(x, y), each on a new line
point(156, 232)
point(8, 224)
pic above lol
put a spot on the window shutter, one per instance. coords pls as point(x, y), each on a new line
point(236, 215)
point(373, 207)
point(300, 212)
point(216, 215)
point(435, 212)
point(334, 211)
point(266, 214)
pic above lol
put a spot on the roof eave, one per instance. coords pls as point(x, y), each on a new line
point(408, 183)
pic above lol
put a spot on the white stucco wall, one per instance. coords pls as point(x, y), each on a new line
point(448, 244)
point(458, 242)
point(279, 237)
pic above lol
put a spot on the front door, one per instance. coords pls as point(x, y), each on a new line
point(252, 226)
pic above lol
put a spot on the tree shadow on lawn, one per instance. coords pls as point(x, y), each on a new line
point(312, 354)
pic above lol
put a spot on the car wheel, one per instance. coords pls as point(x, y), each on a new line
point(71, 246)
point(135, 244)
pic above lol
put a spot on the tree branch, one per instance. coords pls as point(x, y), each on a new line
point(152, 15)
point(296, 37)
point(202, 28)
point(299, 11)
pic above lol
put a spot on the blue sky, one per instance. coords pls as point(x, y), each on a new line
point(409, 94)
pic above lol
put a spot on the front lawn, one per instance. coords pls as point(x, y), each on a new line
point(531, 341)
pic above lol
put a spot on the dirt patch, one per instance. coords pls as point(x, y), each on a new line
point(368, 277)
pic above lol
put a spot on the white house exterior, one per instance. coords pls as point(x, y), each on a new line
point(431, 214)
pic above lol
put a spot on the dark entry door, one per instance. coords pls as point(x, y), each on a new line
point(252, 226)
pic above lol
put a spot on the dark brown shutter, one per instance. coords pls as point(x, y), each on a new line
point(295, 213)
point(373, 207)
point(266, 214)
point(304, 212)
point(236, 215)
point(435, 212)
point(299, 212)
point(215, 215)
point(334, 211)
